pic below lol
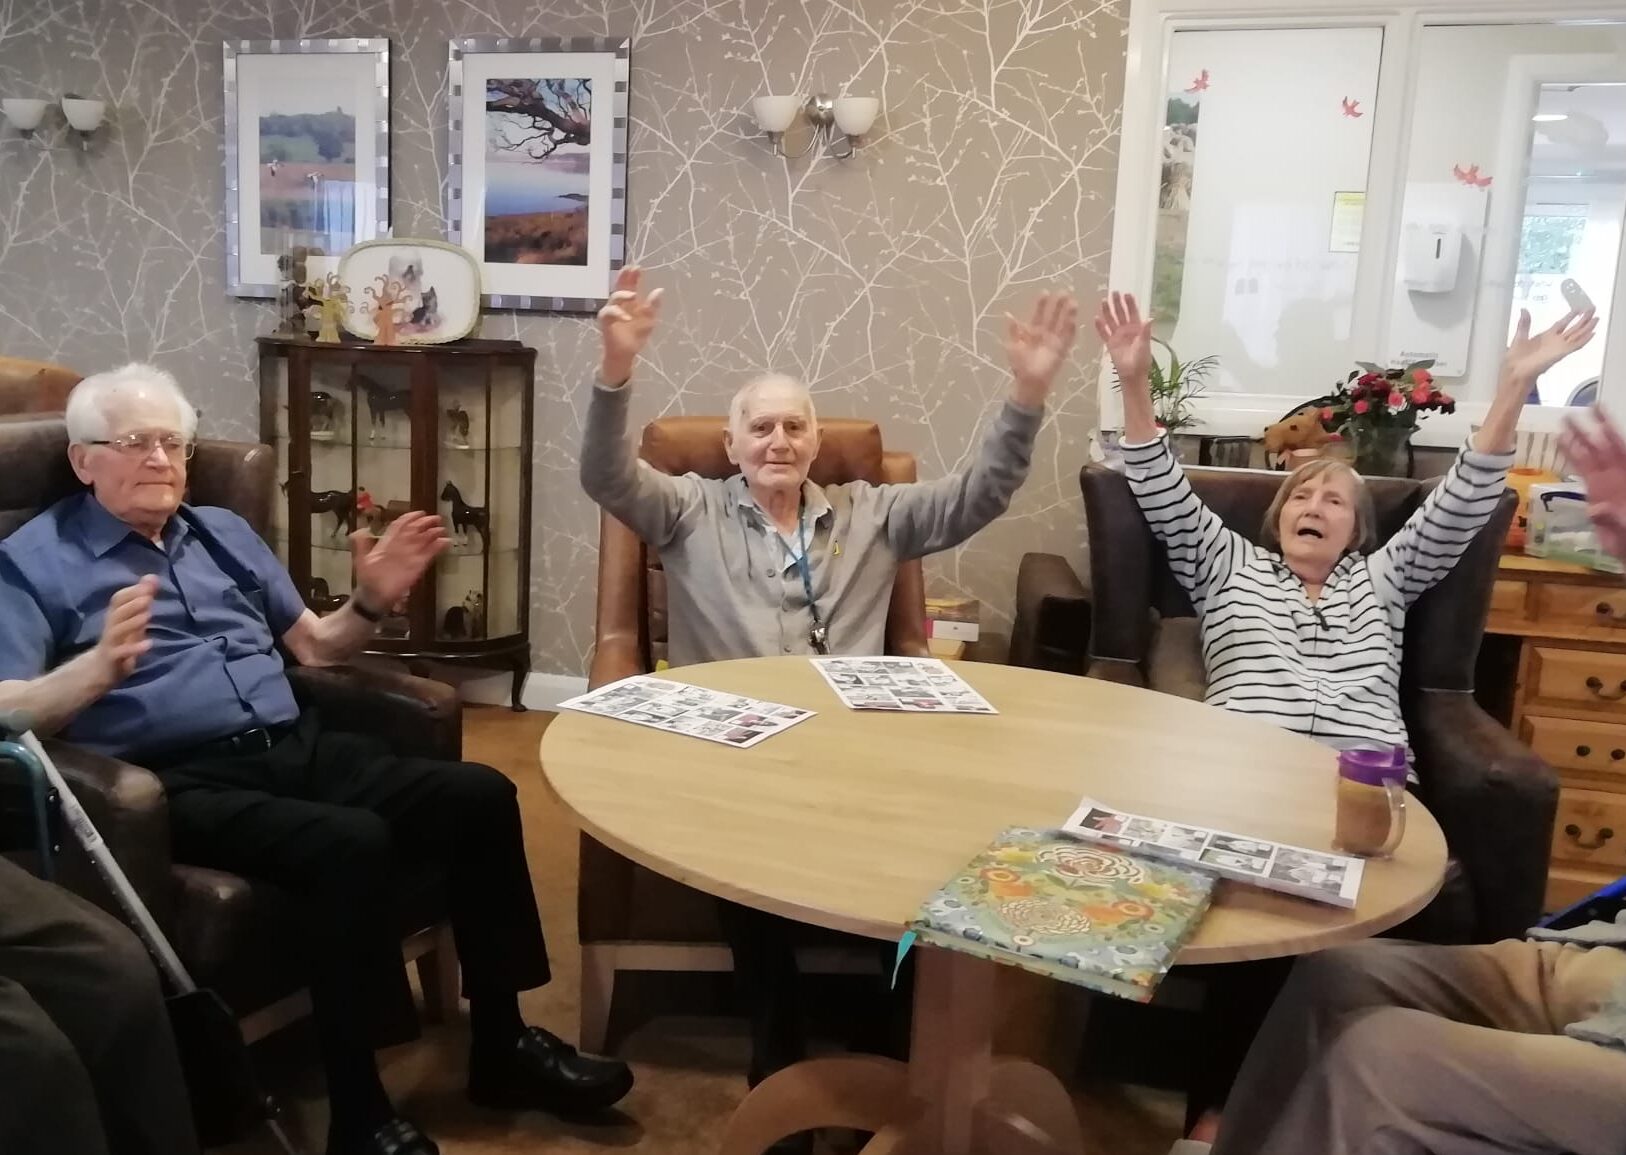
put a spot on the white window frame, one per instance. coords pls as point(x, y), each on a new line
point(1152, 25)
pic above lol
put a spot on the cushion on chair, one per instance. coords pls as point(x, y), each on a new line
point(1175, 664)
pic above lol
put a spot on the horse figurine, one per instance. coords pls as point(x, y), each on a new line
point(341, 503)
point(467, 620)
point(327, 411)
point(381, 402)
point(466, 517)
point(319, 599)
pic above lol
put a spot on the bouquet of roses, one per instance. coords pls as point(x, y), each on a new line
point(1371, 397)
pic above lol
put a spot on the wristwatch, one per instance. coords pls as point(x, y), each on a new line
point(363, 611)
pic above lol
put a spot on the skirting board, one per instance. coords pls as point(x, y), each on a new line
point(542, 691)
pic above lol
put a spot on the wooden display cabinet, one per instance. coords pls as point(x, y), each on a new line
point(364, 433)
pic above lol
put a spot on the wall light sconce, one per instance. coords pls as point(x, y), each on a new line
point(847, 116)
point(23, 115)
point(84, 116)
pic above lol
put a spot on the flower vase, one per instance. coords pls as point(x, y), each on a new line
point(1380, 450)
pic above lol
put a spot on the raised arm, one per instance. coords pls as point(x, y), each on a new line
point(1201, 551)
point(652, 503)
point(1439, 533)
point(925, 517)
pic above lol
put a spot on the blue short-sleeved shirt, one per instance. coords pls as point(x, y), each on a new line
point(223, 601)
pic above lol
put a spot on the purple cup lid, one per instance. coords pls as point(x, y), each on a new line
point(1373, 765)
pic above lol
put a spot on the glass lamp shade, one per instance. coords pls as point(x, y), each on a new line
point(84, 115)
point(25, 115)
point(855, 115)
point(775, 113)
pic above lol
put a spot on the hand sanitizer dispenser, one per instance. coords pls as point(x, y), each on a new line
point(1430, 253)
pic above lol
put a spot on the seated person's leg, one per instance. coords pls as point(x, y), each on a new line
point(1431, 1049)
point(338, 861)
point(467, 815)
point(87, 1061)
point(765, 970)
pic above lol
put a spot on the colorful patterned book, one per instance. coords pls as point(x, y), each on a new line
point(1039, 900)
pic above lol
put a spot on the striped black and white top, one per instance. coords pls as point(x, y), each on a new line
point(1328, 669)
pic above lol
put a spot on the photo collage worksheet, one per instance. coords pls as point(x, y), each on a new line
point(908, 685)
point(1315, 874)
point(690, 710)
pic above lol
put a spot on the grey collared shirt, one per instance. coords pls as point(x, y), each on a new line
point(732, 589)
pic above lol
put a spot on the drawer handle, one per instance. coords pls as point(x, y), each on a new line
point(1574, 832)
point(1595, 684)
point(1610, 615)
point(1616, 755)
point(1583, 751)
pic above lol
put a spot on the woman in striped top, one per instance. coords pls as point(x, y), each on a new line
point(1305, 630)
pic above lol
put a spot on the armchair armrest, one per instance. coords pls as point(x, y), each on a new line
point(1114, 670)
point(414, 715)
point(1052, 626)
point(616, 656)
point(1496, 802)
point(127, 805)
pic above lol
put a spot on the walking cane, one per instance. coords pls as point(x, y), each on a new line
point(227, 1100)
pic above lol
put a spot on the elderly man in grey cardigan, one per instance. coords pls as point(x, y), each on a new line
point(766, 562)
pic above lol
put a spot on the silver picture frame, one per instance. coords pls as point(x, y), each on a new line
point(550, 287)
point(264, 77)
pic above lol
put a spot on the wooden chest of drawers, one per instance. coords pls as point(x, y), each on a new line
point(1570, 706)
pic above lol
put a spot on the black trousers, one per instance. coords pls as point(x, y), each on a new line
point(87, 1062)
point(331, 816)
point(770, 985)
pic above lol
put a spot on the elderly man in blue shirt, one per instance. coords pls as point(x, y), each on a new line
point(135, 624)
point(766, 562)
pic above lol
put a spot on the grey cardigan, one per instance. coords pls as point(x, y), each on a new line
point(731, 590)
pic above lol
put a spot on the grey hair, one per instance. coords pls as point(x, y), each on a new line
point(736, 407)
point(92, 398)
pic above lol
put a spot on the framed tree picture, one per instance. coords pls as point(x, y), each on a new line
point(307, 154)
point(537, 167)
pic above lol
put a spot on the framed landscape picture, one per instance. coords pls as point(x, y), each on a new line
point(537, 188)
point(307, 154)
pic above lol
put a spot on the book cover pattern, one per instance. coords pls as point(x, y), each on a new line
point(1097, 917)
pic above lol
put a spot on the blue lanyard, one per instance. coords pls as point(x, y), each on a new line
point(802, 564)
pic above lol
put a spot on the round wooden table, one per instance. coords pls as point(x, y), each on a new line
point(851, 819)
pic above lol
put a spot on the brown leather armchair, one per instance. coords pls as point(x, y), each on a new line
point(1493, 797)
point(630, 918)
point(34, 386)
point(237, 936)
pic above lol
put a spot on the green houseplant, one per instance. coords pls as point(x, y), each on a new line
point(1175, 388)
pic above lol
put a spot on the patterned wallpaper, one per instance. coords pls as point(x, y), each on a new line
point(881, 280)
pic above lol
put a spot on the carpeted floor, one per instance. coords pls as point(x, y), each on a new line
point(689, 1070)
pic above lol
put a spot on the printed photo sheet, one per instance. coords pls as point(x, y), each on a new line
point(1315, 874)
point(908, 685)
point(689, 710)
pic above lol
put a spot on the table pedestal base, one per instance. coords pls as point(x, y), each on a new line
point(952, 1098)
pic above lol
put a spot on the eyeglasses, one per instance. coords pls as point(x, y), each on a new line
point(140, 445)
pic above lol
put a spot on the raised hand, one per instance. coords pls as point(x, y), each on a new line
point(1597, 451)
point(124, 633)
point(1128, 340)
point(1037, 347)
point(1529, 357)
point(388, 567)
point(625, 324)
point(1127, 337)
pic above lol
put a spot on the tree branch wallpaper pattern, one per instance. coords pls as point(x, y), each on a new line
point(882, 281)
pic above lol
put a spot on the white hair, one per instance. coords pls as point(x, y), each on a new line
point(97, 395)
point(736, 407)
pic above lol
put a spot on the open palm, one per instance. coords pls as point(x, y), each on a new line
point(1126, 335)
point(1037, 347)
point(626, 321)
point(1529, 357)
point(1597, 451)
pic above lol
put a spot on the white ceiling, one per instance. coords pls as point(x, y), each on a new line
point(1594, 108)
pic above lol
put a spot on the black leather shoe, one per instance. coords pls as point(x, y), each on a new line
point(545, 1073)
point(397, 1137)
